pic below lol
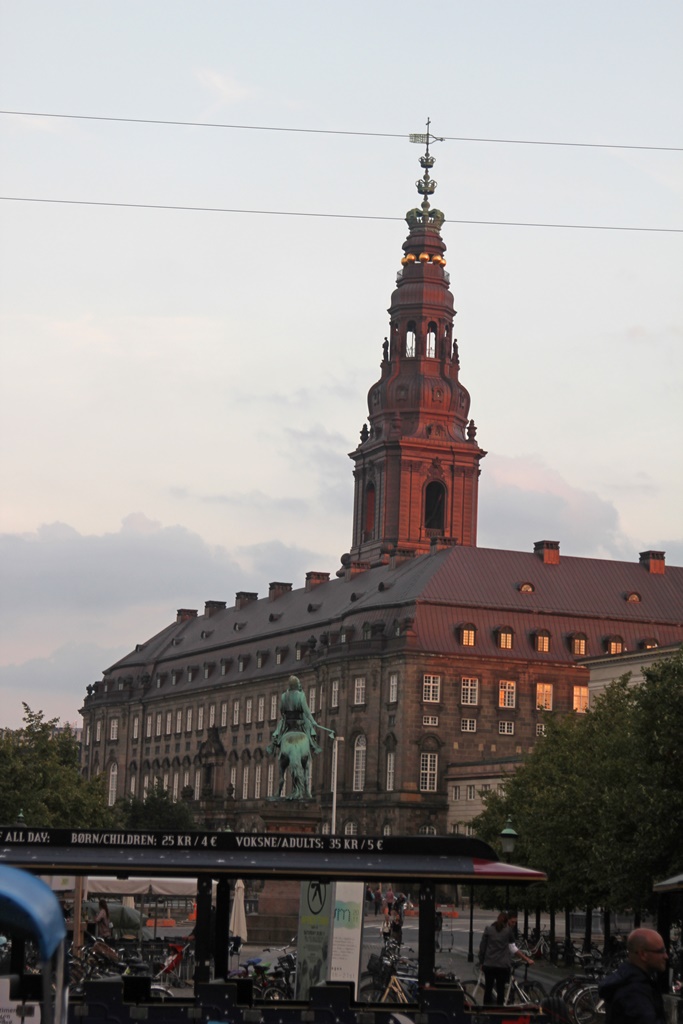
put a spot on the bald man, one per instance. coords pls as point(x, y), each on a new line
point(632, 993)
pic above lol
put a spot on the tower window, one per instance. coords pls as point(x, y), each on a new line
point(369, 518)
point(431, 341)
point(435, 502)
point(410, 340)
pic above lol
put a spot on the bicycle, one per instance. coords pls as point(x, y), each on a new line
point(516, 991)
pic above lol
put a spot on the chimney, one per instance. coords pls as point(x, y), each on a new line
point(243, 598)
point(276, 590)
point(185, 614)
point(654, 562)
point(548, 551)
point(314, 579)
point(211, 607)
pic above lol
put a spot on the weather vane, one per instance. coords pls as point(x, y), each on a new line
point(425, 185)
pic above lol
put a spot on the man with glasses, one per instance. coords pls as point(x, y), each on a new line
point(632, 993)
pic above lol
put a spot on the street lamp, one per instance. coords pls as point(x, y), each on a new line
point(508, 839)
point(335, 741)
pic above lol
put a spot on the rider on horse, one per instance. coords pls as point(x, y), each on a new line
point(295, 716)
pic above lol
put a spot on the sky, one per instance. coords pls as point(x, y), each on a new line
point(180, 388)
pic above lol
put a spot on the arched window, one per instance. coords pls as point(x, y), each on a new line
point(435, 503)
point(431, 341)
point(369, 518)
point(427, 830)
point(113, 780)
point(351, 828)
point(359, 762)
point(410, 340)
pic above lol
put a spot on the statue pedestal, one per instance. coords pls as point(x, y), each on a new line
point(277, 920)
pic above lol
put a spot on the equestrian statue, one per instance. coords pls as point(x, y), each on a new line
point(295, 739)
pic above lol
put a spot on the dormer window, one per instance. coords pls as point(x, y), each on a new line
point(633, 597)
point(261, 658)
point(504, 638)
point(343, 635)
point(367, 631)
point(614, 645)
point(649, 644)
point(468, 635)
point(578, 644)
point(397, 627)
point(542, 641)
point(242, 661)
point(225, 666)
point(299, 651)
point(526, 588)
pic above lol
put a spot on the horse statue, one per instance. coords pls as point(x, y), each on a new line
point(295, 754)
point(295, 740)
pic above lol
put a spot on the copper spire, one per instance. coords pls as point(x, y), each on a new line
point(426, 185)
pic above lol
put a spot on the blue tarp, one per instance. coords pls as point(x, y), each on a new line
point(28, 906)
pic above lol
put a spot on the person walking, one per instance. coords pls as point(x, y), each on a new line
point(103, 921)
point(631, 993)
point(378, 899)
point(496, 950)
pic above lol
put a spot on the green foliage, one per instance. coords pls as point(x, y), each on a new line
point(598, 804)
point(157, 811)
point(40, 777)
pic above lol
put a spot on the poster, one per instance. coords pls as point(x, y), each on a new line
point(347, 932)
point(315, 906)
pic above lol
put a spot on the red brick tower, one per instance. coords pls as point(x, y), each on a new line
point(417, 466)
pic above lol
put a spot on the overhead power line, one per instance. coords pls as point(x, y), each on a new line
point(336, 131)
point(334, 216)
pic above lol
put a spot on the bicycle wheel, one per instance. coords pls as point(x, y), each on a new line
point(473, 990)
point(587, 1007)
point(533, 990)
point(273, 993)
point(370, 991)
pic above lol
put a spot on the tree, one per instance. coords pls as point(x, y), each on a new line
point(157, 811)
point(598, 804)
point(40, 777)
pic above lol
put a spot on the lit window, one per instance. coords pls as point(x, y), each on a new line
point(224, 714)
point(391, 771)
point(649, 644)
point(186, 778)
point(506, 728)
point(469, 690)
point(299, 652)
point(633, 597)
point(578, 645)
point(471, 792)
point(113, 782)
point(342, 636)
point(114, 729)
point(431, 689)
point(468, 725)
point(505, 638)
point(427, 830)
point(615, 645)
point(544, 696)
point(542, 641)
point(393, 687)
point(235, 712)
point(200, 719)
point(429, 765)
point(334, 693)
point(526, 588)
point(507, 693)
point(430, 719)
point(248, 706)
point(359, 690)
point(468, 635)
point(580, 699)
point(359, 763)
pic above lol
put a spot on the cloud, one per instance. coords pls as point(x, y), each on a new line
point(224, 88)
point(522, 500)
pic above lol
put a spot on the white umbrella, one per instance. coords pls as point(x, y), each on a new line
point(238, 916)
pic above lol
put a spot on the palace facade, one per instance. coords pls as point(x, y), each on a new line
point(437, 661)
